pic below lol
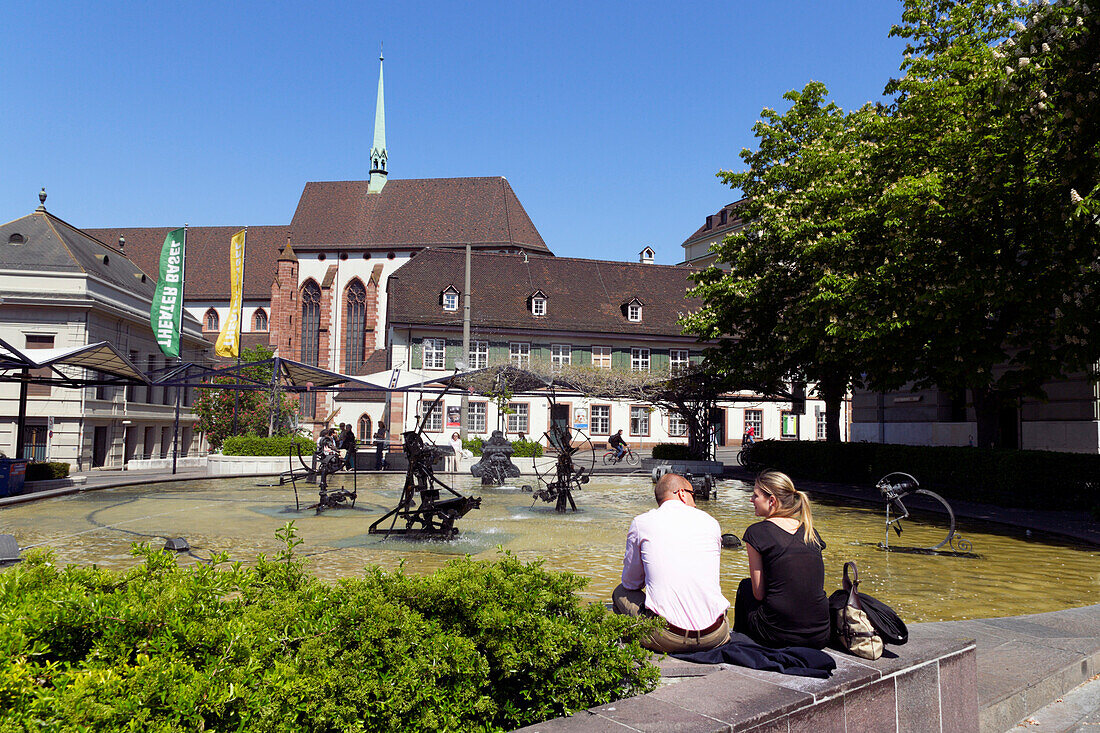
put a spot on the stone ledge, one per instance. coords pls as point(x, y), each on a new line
point(919, 686)
point(695, 468)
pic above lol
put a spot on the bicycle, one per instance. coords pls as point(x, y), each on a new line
point(611, 459)
point(744, 456)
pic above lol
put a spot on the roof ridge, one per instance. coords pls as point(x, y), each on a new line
point(624, 263)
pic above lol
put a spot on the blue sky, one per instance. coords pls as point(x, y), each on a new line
point(610, 120)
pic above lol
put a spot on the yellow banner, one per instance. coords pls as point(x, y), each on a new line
point(229, 340)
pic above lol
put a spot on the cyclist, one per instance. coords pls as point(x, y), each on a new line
point(616, 441)
point(750, 435)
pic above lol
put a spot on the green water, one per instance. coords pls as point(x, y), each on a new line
point(1014, 574)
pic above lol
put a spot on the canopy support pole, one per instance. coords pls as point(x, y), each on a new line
point(21, 424)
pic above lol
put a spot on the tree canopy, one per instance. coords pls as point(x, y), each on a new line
point(947, 237)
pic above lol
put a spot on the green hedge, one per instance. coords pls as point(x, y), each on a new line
point(277, 445)
point(47, 471)
point(1011, 478)
point(671, 452)
point(475, 646)
point(520, 448)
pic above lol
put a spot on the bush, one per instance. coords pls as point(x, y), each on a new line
point(671, 452)
point(1002, 477)
point(47, 471)
point(276, 445)
point(520, 448)
point(526, 449)
point(479, 646)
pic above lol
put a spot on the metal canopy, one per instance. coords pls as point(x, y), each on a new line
point(100, 356)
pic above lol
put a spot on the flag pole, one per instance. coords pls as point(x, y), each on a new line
point(179, 354)
point(240, 331)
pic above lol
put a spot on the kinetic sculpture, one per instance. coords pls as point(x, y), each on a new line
point(567, 476)
point(434, 518)
point(894, 487)
point(326, 461)
point(495, 466)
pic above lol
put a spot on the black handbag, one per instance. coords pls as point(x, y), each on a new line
point(885, 621)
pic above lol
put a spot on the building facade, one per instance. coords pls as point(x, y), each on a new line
point(61, 287)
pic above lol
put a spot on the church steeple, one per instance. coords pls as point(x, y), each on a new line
point(378, 150)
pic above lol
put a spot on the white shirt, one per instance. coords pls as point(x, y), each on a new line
point(675, 551)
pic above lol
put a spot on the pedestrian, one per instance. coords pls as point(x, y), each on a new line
point(380, 446)
point(347, 443)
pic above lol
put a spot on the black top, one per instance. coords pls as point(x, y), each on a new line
point(795, 610)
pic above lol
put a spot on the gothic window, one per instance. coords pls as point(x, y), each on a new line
point(354, 352)
point(259, 320)
point(211, 320)
point(311, 339)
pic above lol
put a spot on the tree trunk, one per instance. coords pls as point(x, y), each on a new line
point(831, 390)
point(987, 411)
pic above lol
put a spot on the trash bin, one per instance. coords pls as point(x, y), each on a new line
point(13, 472)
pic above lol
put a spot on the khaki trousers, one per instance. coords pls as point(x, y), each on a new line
point(632, 603)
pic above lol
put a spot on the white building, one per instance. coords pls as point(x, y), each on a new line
point(61, 287)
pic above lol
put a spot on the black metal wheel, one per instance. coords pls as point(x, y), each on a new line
point(580, 454)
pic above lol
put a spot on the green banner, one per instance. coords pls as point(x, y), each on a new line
point(167, 313)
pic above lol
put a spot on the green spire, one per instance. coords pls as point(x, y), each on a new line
point(378, 150)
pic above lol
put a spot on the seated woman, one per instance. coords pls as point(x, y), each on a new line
point(783, 602)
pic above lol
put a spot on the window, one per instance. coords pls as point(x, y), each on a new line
point(639, 420)
point(519, 354)
point(677, 426)
point(517, 420)
point(131, 389)
point(538, 305)
point(678, 360)
point(356, 338)
point(601, 357)
point(211, 320)
point(821, 426)
point(634, 312)
point(450, 299)
point(365, 430)
point(259, 320)
point(311, 340)
point(39, 342)
point(601, 419)
point(560, 354)
point(433, 423)
point(150, 367)
point(479, 354)
point(476, 417)
point(755, 419)
point(788, 424)
point(639, 360)
point(435, 351)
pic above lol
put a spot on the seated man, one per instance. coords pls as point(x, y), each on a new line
point(674, 552)
point(616, 441)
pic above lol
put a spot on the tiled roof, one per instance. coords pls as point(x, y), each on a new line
point(715, 226)
point(407, 214)
point(419, 212)
point(207, 257)
point(582, 295)
point(54, 245)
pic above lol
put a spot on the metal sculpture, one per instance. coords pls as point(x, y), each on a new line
point(495, 466)
point(326, 461)
point(894, 487)
point(567, 476)
point(434, 518)
point(703, 488)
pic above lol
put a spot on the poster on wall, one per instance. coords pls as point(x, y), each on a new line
point(454, 416)
point(580, 418)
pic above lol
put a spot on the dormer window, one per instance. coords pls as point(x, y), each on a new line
point(632, 309)
point(538, 303)
point(450, 298)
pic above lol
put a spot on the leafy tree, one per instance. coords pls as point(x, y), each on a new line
point(790, 305)
point(214, 406)
point(991, 151)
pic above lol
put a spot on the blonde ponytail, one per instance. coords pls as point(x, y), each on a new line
point(790, 502)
